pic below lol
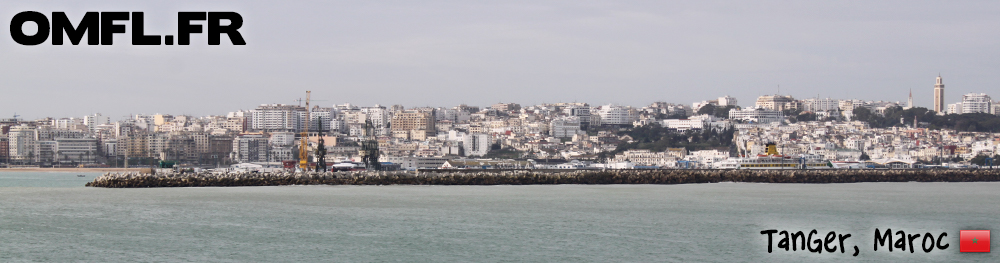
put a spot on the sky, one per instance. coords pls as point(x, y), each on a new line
point(446, 53)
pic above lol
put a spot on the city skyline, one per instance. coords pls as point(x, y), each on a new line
point(938, 87)
point(450, 52)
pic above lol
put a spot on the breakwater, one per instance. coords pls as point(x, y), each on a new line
point(527, 177)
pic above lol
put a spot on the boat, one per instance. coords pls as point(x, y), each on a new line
point(773, 160)
point(80, 175)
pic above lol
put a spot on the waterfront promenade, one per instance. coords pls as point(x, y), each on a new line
point(528, 177)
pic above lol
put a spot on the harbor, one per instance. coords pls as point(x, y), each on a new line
point(531, 177)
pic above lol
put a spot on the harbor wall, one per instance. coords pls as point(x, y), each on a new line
point(527, 177)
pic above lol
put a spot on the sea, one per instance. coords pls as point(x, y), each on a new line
point(52, 217)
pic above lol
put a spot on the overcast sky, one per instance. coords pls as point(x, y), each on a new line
point(444, 53)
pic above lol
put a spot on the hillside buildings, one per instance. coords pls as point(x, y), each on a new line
point(567, 134)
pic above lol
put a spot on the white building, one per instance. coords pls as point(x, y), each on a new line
point(564, 127)
point(326, 116)
point(817, 104)
point(92, 121)
point(282, 138)
point(276, 117)
point(976, 103)
point(580, 111)
point(727, 101)
point(413, 163)
point(79, 150)
point(476, 144)
point(642, 157)
point(250, 148)
point(720, 102)
point(379, 115)
point(955, 108)
point(67, 123)
point(21, 142)
point(757, 115)
point(683, 124)
point(616, 115)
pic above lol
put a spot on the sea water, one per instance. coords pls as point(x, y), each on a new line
point(51, 217)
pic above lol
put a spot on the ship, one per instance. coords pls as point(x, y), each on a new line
point(773, 160)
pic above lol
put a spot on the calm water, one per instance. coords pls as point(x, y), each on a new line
point(50, 217)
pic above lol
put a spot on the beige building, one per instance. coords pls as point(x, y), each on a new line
point(413, 125)
point(777, 102)
point(939, 96)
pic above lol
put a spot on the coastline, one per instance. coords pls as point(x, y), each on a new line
point(528, 177)
point(91, 170)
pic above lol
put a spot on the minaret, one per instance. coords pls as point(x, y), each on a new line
point(939, 96)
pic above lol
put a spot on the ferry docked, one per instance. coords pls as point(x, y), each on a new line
point(773, 160)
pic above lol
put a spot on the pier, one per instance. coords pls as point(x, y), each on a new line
point(529, 177)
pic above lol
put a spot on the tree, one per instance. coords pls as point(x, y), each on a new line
point(707, 109)
point(808, 116)
point(864, 157)
point(981, 159)
point(723, 112)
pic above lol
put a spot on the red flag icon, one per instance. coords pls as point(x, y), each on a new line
point(974, 241)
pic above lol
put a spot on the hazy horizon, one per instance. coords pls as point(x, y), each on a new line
point(445, 53)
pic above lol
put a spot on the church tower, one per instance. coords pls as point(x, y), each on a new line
point(909, 102)
point(939, 96)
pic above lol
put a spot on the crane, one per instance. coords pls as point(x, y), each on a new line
point(303, 151)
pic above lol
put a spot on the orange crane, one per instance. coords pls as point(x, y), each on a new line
point(303, 151)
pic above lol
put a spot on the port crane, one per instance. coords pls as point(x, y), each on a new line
point(304, 145)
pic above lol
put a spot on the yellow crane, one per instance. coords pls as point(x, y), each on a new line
point(303, 151)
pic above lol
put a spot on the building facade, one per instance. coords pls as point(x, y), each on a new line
point(777, 102)
point(976, 103)
point(413, 125)
point(276, 117)
point(939, 106)
point(757, 115)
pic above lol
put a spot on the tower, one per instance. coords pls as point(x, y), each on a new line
point(939, 96)
point(909, 102)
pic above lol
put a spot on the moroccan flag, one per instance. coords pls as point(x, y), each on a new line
point(974, 241)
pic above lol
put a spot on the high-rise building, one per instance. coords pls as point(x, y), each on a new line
point(93, 120)
point(939, 96)
point(476, 144)
point(21, 140)
point(251, 147)
point(976, 103)
point(276, 117)
point(413, 125)
point(581, 111)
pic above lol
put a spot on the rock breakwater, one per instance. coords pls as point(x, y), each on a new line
point(526, 177)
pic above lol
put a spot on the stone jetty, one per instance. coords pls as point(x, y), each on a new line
point(527, 177)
